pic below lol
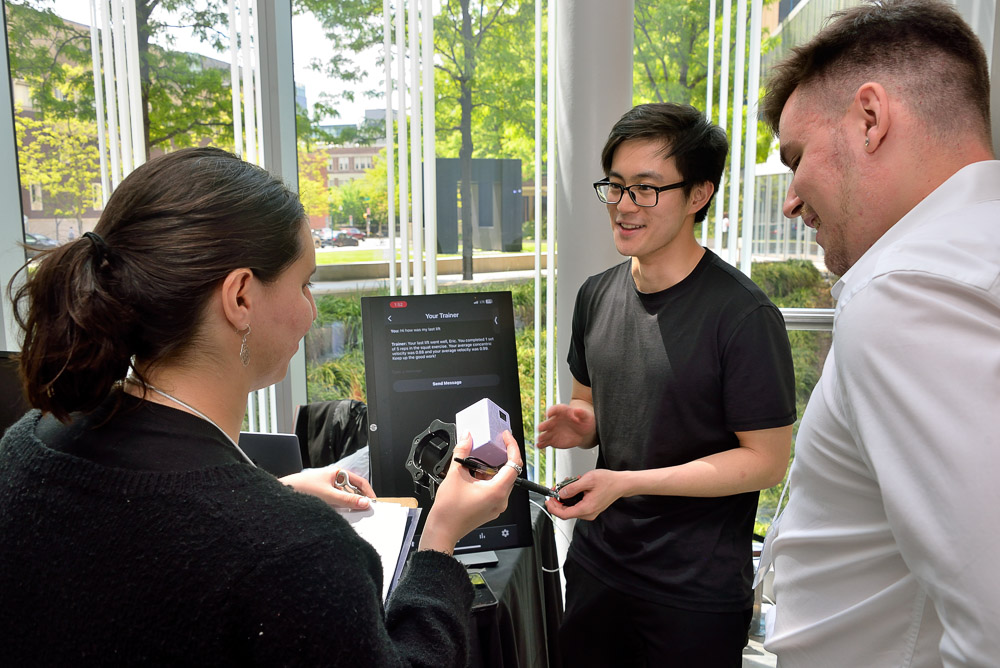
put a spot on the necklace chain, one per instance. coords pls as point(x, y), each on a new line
point(203, 417)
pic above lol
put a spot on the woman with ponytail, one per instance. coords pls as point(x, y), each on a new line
point(133, 528)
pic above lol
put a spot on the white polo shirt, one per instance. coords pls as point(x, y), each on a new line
point(888, 553)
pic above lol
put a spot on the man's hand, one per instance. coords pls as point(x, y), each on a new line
point(600, 488)
point(567, 426)
point(570, 425)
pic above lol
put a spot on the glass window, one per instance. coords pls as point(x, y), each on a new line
point(184, 82)
point(54, 117)
point(339, 62)
point(798, 284)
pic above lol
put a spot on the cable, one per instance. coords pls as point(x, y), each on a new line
point(553, 521)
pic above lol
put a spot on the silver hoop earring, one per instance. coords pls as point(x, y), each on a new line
point(866, 142)
point(244, 348)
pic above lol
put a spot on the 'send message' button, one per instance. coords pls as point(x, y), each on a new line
point(448, 383)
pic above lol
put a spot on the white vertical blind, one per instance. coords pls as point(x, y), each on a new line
point(134, 84)
point(114, 54)
point(750, 144)
point(390, 162)
point(415, 148)
point(404, 194)
point(550, 233)
point(737, 131)
point(248, 142)
point(248, 97)
point(95, 58)
point(255, 55)
point(708, 104)
point(234, 78)
point(430, 150)
point(536, 474)
point(720, 197)
point(110, 96)
point(121, 85)
point(416, 162)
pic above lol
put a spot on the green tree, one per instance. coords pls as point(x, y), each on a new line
point(351, 26)
point(483, 82)
point(670, 52)
point(185, 97)
point(61, 156)
point(52, 57)
point(313, 191)
point(351, 201)
point(461, 30)
point(503, 107)
point(671, 40)
point(374, 194)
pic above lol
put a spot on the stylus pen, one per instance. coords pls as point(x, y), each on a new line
point(475, 465)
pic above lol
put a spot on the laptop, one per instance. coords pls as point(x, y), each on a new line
point(278, 454)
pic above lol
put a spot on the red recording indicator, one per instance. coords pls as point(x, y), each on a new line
point(399, 304)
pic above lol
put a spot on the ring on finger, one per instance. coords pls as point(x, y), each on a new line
point(516, 467)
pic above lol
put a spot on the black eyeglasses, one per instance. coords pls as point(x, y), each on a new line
point(641, 193)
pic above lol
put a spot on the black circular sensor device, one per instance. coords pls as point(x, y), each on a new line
point(430, 455)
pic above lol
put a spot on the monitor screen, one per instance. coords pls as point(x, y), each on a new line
point(12, 402)
point(428, 357)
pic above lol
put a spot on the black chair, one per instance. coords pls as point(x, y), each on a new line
point(328, 431)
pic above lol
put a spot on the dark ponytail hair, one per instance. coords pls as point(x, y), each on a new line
point(135, 289)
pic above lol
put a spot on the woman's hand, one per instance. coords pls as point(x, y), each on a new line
point(320, 482)
point(463, 502)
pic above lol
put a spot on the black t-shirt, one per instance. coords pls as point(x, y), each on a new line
point(674, 374)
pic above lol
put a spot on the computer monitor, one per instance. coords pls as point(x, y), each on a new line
point(427, 357)
point(12, 401)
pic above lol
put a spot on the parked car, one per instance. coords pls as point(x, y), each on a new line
point(36, 243)
point(342, 239)
point(354, 232)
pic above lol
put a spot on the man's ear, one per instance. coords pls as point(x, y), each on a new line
point(236, 297)
point(870, 113)
point(700, 194)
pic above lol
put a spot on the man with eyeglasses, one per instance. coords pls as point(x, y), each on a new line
point(682, 375)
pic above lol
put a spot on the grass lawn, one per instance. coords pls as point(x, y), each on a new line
point(326, 256)
point(346, 256)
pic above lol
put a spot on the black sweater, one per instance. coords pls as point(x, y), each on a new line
point(156, 561)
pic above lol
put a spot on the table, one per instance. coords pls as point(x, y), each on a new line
point(520, 631)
